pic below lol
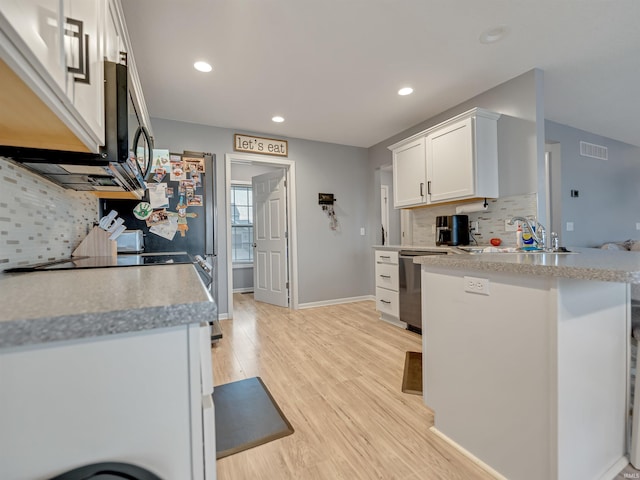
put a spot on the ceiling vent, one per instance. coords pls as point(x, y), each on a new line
point(594, 151)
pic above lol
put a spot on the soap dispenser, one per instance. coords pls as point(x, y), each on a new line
point(519, 236)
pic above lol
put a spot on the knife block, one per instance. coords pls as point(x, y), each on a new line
point(96, 244)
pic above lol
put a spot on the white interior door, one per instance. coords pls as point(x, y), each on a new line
point(270, 271)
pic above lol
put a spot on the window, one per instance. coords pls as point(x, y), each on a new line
point(241, 224)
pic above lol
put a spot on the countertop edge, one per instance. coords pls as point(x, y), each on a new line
point(498, 263)
point(44, 330)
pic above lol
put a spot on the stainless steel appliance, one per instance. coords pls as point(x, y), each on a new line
point(111, 170)
point(131, 241)
point(198, 236)
point(452, 230)
point(410, 288)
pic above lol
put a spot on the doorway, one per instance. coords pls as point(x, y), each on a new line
point(261, 164)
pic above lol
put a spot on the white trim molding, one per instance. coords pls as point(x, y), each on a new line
point(337, 301)
point(290, 167)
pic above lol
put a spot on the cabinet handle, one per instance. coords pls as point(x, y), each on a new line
point(421, 189)
point(385, 276)
point(429, 187)
point(385, 301)
point(385, 256)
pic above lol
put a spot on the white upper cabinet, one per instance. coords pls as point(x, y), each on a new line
point(52, 56)
point(460, 161)
point(83, 49)
point(409, 174)
point(115, 46)
point(51, 70)
point(34, 28)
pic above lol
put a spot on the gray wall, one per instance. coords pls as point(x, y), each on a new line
point(607, 208)
point(330, 264)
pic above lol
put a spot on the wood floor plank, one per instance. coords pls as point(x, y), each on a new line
point(336, 373)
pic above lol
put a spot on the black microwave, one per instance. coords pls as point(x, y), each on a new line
point(116, 168)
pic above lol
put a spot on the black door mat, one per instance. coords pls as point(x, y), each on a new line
point(412, 377)
point(246, 416)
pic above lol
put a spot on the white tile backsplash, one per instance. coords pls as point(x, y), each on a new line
point(491, 222)
point(40, 221)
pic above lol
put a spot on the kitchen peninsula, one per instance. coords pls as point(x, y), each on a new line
point(106, 364)
point(526, 359)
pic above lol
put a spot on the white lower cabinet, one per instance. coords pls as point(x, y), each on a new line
point(142, 398)
point(387, 282)
point(531, 379)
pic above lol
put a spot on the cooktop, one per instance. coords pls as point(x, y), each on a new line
point(105, 262)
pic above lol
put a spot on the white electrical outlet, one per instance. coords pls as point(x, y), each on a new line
point(569, 226)
point(362, 231)
point(637, 225)
point(510, 228)
point(475, 226)
point(476, 285)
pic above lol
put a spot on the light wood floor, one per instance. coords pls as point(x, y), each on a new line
point(336, 373)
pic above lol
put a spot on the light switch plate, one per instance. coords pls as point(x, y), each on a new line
point(569, 226)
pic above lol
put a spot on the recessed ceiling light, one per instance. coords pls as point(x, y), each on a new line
point(278, 119)
point(405, 91)
point(202, 67)
point(493, 35)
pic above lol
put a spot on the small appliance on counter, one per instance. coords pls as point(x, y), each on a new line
point(131, 241)
point(452, 230)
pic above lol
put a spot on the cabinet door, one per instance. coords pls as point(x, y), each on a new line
point(113, 41)
point(450, 162)
point(84, 60)
point(409, 174)
point(35, 27)
point(119, 398)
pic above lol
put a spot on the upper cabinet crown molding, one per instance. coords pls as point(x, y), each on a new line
point(452, 161)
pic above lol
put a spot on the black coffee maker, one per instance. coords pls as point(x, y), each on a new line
point(452, 230)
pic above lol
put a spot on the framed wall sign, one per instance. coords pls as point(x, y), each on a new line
point(265, 146)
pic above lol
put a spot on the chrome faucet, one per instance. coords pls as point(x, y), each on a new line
point(538, 232)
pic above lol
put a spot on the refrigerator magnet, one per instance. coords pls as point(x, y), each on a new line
point(142, 211)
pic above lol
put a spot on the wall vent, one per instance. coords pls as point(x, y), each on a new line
point(594, 151)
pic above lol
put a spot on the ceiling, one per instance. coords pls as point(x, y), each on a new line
point(332, 68)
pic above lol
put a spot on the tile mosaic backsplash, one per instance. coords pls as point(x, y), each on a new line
point(40, 221)
point(491, 222)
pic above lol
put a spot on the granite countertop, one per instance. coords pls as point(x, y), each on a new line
point(583, 264)
point(41, 307)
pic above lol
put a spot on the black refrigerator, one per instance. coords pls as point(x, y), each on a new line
point(178, 212)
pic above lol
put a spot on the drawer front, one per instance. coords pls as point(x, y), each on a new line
point(386, 256)
point(387, 276)
point(387, 302)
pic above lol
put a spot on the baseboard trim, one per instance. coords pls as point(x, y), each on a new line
point(615, 469)
point(337, 301)
point(469, 455)
point(393, 321)
point(243, 290)
point(223, 316)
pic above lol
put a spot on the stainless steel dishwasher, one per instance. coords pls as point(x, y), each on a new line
point(409, 288)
